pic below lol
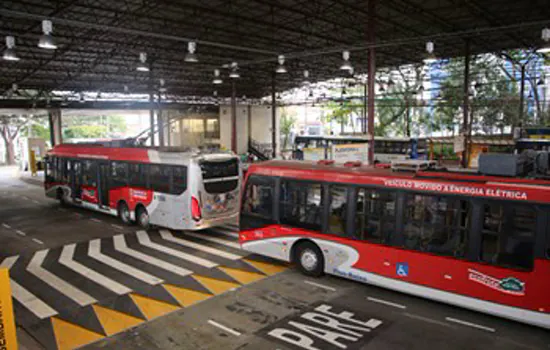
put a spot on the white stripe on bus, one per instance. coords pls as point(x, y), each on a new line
point(120, 245)
point(167, 235)
point(55, 282)
point(26, 298)
point(66, 259)
point(206, 237)
point(144, 239)
point(94, 251)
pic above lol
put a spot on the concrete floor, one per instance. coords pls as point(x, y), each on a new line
point(239, 304)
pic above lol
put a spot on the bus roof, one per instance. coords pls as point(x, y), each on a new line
point(134, 154)
point(440, 182)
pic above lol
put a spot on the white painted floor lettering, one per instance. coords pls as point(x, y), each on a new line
point(167, 235)
point(206, 237)
point(319, 285)
point(6, 226)
point(21, 233)
point(26, 298)
point(470, 324)
point(120, 245)
point(36, 240)
point(66, 259)
point(144, 239)
point(63, 287)
point(323, 328)
point(94, 251)
point(224, 328)
point(388, 303)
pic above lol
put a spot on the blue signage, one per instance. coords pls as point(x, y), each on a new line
point(402, 269)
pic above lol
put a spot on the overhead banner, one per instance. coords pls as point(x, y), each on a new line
point(8, 340)
point(350, 153)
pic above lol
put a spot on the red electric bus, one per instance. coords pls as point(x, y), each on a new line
point(164, 187)
point(479, 242)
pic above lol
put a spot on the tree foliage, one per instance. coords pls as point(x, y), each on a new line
point(287, 123)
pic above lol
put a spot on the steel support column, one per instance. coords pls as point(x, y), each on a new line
point(521, 94)
point(371, 37)
point(273, 117)
point(151, 107)
point(364, 111)
point(466, 103)
point(233, 116)
point(160, 121)
point(56, 132)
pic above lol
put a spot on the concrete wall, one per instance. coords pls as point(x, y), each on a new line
point(260, 126)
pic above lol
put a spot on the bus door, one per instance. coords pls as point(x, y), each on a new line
point(76, 179)
point(103, 184)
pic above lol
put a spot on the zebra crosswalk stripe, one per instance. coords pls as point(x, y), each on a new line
point(206, 237)
point(94, 251)
point(65, 288)
point(144, 239)
point(26, 298)
point(120, 245)
point(167, 235)
point(66, 259)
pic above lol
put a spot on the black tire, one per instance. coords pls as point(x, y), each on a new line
point(60, 196)
point(124, 214)
point(310, 259)
point(142, 217)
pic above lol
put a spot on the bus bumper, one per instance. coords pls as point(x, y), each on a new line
point(231, 219)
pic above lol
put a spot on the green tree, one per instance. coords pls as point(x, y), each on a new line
point(286, 126)
point(10, 126)
point(93, 126)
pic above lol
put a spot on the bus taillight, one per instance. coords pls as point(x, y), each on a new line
point(195, 209)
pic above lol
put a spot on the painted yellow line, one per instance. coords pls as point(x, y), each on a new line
point(186, 297)
point(71, 336)
point(243, 277)
point(115, 321)
point(267, 268)
point(214, 285)
point(152, 308)
point(8, 338)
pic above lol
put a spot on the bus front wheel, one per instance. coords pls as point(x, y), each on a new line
point(310, 259)
point(142, 217)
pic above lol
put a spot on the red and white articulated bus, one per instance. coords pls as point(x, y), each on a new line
point(169, 188)
point(479, 242)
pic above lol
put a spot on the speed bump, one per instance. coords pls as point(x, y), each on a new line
point(215, 285)
point(186, 297)
point(267, 268)
point(152, 308)
point(115, 321)
point(243, 277)
point(71, 336)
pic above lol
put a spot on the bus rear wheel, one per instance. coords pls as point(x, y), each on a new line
point(310, 259)
point(142, 217)
point(124, 213)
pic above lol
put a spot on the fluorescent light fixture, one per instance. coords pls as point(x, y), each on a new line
point(281, 67)
point(430, 58)
point(47, 41)
point(191, 56)
point(142, 66)
point(346, 65)
point(234, 74)
point(9, 53)
point(217, 80)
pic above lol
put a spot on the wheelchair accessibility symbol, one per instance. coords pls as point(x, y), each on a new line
point(402, 269)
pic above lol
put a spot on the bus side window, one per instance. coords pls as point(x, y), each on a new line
point(301, 204)
point(89, 173)
point(159, 178)
point(119, 174)
point(137, 174)
point(50, 169)
point(436, 224)
point(508, 235)
point(375, 215)
point(179, 179)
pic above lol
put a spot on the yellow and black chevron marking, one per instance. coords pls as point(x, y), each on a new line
point(81, 293)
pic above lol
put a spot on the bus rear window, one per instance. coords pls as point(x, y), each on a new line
point(221, 186)
point(212, 170)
